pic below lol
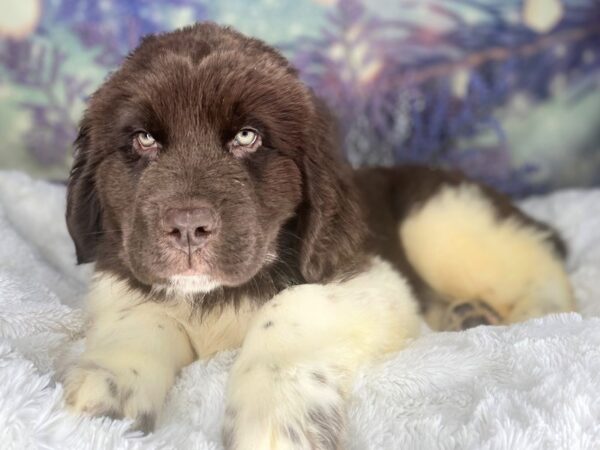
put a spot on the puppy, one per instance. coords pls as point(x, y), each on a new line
point(209, 190)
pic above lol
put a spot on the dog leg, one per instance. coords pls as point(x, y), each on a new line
point(485, 268)
point(132, 356)
point(288, 388)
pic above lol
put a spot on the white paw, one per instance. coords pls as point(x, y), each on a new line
point(271, 407)
point(99, 391)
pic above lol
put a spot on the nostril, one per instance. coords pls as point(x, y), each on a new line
point(176, 233)
point(189, 229)
point(201, 232)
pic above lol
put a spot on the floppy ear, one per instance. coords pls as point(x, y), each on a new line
point(334, 228)
point(83, 207)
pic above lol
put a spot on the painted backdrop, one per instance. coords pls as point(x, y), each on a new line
point(507, 90)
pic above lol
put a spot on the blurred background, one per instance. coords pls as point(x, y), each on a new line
point(506, 90)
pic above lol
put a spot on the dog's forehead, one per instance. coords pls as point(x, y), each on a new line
point(184, 93)
point(194, 62)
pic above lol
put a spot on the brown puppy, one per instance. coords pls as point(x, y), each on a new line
point(209, 190)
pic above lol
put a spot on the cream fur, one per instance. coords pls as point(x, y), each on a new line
point(133, 349)
point(288, 386)
point(465, 253)
point(136, 347)
point(294, 371)
point(221, 329)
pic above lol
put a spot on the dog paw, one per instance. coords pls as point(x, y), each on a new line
point(464, 315)
point(294, 409)
point(99, 391)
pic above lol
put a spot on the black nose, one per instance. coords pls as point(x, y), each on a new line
point(188, 229)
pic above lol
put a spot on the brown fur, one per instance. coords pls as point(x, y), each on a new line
point(193, 90)
point(295, 197)
point(284, 210)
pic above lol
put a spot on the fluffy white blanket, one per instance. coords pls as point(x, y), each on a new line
point(532, 385)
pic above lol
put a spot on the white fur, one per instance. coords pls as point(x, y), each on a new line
point(188, 284)
point(463, 251)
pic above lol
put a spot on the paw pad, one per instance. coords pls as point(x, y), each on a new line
point(462, 316)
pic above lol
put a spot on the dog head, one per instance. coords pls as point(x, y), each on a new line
point(197, 155)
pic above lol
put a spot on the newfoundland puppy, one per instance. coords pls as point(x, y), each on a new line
point(209, 189)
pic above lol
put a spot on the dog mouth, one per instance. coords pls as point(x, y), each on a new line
point(202, 280)
point(228, 259)
point(195, 273)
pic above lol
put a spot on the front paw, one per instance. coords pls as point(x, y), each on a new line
point(275, 409)
point(99, 391)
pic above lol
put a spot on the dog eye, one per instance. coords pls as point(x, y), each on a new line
point(145, 145)
point(145, 140)
point(246, 137)
point(246, 141)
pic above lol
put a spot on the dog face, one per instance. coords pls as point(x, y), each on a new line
point(195, 155)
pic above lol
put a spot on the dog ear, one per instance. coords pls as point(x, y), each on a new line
point(84, 213)
point(332, 221)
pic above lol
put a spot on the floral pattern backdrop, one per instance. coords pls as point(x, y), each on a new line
point(506, 90)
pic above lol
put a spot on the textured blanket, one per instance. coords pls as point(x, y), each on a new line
point(534, 385)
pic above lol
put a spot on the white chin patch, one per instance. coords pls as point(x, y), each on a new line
point(189, 284)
